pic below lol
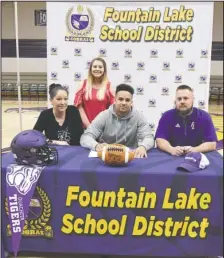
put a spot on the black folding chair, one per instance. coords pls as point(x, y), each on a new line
point(34, 92)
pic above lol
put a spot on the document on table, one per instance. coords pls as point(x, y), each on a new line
point(93, 154)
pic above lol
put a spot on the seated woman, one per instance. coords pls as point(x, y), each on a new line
point(94, 94)
point(61, 124)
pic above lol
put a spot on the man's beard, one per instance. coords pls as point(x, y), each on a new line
point(185, 112)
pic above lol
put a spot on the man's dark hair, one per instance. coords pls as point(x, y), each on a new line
point(184, 87)
point(125, 87)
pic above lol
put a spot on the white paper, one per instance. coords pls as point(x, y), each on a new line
point(93, 154)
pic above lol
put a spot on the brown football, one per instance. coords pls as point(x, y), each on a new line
point(116, 155)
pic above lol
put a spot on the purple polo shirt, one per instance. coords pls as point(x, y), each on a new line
point(192, 131)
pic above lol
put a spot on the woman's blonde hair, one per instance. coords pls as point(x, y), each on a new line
point(104, 80)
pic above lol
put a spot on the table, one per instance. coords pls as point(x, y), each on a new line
point(120, 229)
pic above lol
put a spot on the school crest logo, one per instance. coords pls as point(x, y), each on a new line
point(88, 64)
point(204, 53)
point(152, 102)
point(77, 76)
point(127, 78)
point(165, 91)
point(191, 66)
point(178, 78)
point(201, 104)
point(66, 87)
point(80, 24)
point(139, 90)
point(65, 63)
point(166, 66)
point(77, 52)
point(153, 78)
point(54, 75)
point(102, 52)
point(128, 53)
point(203, 79)
point(54, 51)
point(154, 53)
point(179, 53)
point(115, 65)
point(140, 66)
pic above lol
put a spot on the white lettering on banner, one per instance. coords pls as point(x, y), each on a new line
point(155, 34)
point(13, 207)
point(21, 209)
point(190, 158)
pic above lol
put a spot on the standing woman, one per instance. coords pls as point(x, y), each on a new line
point(61, 124)
point(94, 94)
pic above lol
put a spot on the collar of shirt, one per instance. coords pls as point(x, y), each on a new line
point(191, 118)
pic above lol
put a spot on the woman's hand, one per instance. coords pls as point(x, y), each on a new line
point(60, 143)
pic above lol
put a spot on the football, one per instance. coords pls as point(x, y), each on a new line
point(116, 155)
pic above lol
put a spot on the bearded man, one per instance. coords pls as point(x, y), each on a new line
point(185, 128)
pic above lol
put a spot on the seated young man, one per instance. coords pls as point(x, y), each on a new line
point(121, 123)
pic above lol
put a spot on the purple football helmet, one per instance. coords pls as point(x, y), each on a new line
point(30, 148)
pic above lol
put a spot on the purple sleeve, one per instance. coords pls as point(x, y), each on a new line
point(209, 133)
point(163, 128)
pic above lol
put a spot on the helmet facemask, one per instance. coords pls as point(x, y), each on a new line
point(30, 148)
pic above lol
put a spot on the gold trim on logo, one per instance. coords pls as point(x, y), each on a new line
point(84, 32)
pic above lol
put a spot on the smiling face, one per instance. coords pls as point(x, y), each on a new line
point(97, 69)
point(123, 103)
point(184, 101)
point(60, 101)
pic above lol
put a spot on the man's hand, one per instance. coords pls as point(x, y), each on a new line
point(189, 149)
point(140, 152)
point(99, 146)
point(177, 151)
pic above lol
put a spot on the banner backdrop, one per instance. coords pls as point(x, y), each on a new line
point(154, 47)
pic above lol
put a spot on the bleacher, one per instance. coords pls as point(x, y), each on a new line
point(33, 86)
point(216, 88)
